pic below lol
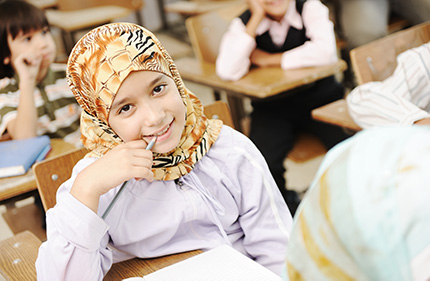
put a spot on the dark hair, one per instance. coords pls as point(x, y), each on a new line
point(17, 16)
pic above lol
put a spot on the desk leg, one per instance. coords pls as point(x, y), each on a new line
point(237, 111)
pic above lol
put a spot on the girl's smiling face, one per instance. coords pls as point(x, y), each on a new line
point(148, 104)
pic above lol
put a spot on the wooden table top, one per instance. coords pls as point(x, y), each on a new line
point(15, 186)
point(140, 267)
point(191, 8)
point(259, 82)
point(18, 256)
point(44, 4)
point(336, 113)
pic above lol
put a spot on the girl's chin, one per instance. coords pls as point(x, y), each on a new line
point(166, 148)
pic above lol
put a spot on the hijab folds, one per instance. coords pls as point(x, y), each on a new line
point(97, 66)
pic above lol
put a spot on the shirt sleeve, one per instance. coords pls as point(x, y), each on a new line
point(9, 100)
point(264, 215)
point(236, 46)
point(77, 239)
point(321, 48)
point(401, 99)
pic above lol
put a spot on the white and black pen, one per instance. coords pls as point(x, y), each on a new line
point(148, 147)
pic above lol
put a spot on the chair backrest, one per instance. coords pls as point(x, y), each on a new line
point(206, 30)
point(219, 110)
point(51, 173)
point(376, 60)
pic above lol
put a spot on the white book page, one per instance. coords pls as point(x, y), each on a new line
point(221, 263)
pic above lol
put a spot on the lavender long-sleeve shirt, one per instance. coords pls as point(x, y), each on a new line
point(229, 198)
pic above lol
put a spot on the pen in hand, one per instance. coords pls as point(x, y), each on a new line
point(112, 203)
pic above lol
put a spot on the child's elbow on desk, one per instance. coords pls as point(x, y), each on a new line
point(231, 72)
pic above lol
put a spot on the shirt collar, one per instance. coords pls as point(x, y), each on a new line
point(291, 18)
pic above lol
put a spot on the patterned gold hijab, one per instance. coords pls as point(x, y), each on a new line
point(97, 66)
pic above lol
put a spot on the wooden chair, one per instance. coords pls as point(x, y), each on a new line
point(17, 257)
point(78, 15)
point(376, 60)
point(205, 32)
point(219, 110)
point(51, 173)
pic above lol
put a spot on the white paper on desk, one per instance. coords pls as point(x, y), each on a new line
point(221, 263)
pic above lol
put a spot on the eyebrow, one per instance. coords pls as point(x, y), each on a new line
point(150, 85)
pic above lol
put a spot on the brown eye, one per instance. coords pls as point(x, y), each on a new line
point(125, 108)
point(158, 89)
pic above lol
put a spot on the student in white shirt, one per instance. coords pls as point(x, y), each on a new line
point(290, 35)
point(401, 99)
point(200, 186)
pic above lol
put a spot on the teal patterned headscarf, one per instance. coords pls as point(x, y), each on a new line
point(367, 213)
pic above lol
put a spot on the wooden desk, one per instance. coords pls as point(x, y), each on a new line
point(19, 187)
point(336, 113)
point(44, 4)
point(140, 267)
point(259, 83)
point(189, 8)
point(18, 255)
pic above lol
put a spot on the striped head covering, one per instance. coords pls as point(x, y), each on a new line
point(97, 66)
point(367, 214)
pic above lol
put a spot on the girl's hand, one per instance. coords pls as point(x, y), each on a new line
point(257, 15)
point(264, 59)
point(122, 163)
point(425, 122)
point(256, 9)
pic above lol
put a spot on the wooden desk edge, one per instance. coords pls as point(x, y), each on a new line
point(336, 113)
point(193, 74)
point(140, 267)
point(59, 147)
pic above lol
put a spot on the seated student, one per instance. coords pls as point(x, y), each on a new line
point(34, 98)
point(401, 99)
point(290, 35)
point(202, 185)
point(367, 213)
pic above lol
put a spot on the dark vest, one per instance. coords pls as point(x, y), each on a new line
point(294, 37)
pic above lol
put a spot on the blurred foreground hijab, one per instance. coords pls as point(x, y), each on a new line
point(97, 66)
point(367, 214)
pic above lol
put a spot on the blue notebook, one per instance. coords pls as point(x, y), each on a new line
point(17, 156)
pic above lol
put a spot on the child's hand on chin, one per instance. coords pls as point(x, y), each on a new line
point(27, 66)
point(124, 162)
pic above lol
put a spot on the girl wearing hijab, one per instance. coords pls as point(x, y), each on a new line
point(367, 214)
point(200, 186)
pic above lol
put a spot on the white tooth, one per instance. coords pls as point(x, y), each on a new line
point(164, 131)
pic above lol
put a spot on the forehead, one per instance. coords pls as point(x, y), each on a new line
point(142, 80)
point(23, 33)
